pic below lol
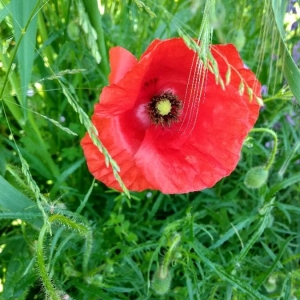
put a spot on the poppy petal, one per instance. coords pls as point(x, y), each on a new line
point(117, 147)
point(212, 151)
point(121, 61)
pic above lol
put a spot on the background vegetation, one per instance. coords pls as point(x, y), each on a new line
point(65, 236)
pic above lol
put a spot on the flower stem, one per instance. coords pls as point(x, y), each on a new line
point(274, 150)
point(82, 230)
point(169, 254)
point(42, 266)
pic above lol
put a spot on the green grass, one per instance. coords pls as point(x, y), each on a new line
point(62, 233)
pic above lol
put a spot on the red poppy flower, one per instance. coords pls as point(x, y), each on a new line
point(167, 123)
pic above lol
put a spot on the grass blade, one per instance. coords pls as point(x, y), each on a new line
point(290, 69)
point(21, 13)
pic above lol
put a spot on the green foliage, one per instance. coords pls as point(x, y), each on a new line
point(65, 236)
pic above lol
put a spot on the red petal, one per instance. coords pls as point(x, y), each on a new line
point(210, 153)
point(151, 47)
point(121, 152)
point(121, 61)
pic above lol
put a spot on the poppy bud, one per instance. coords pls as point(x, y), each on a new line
point(97, 280)
point(70, 272)
point(161, 281)
point(256, 177)
point(73, 31)
point(239, 39)
point(271, 285)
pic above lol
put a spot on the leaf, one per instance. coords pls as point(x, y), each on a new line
point(231, 232)
point(64, 175)
point(283, 184)
point(290, 69)
point(287, 161)
point(11, 199)
point(21, 13)
point(236, 282)
point(260, 228)
point(21, 215)
point(263, 277)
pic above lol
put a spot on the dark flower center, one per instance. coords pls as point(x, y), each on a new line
point(164, 109)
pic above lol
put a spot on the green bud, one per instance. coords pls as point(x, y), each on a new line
point(97, 280)
point(161, 282)
point(178, 255)
point(70, 272)
point(256, 177)
point(270, 285)
point(109, 268)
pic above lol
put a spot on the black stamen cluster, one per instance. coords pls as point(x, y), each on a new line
point(172, 116)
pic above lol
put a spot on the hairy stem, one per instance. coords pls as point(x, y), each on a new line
point(274, 149)
point(50, 290)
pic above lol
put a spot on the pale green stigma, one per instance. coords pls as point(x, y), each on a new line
point(164, 109)
point(164, 106)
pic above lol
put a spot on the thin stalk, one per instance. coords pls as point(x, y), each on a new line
point(169, 255)
point(50, 290)
point(274, 149)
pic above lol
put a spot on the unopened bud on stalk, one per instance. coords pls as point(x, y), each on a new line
point(161, 281)
point(271, 284)
point(256, 177)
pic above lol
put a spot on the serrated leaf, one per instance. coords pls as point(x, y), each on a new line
point(283, 184)
point(231, 232)
point(243, 286)
point(263, 277)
